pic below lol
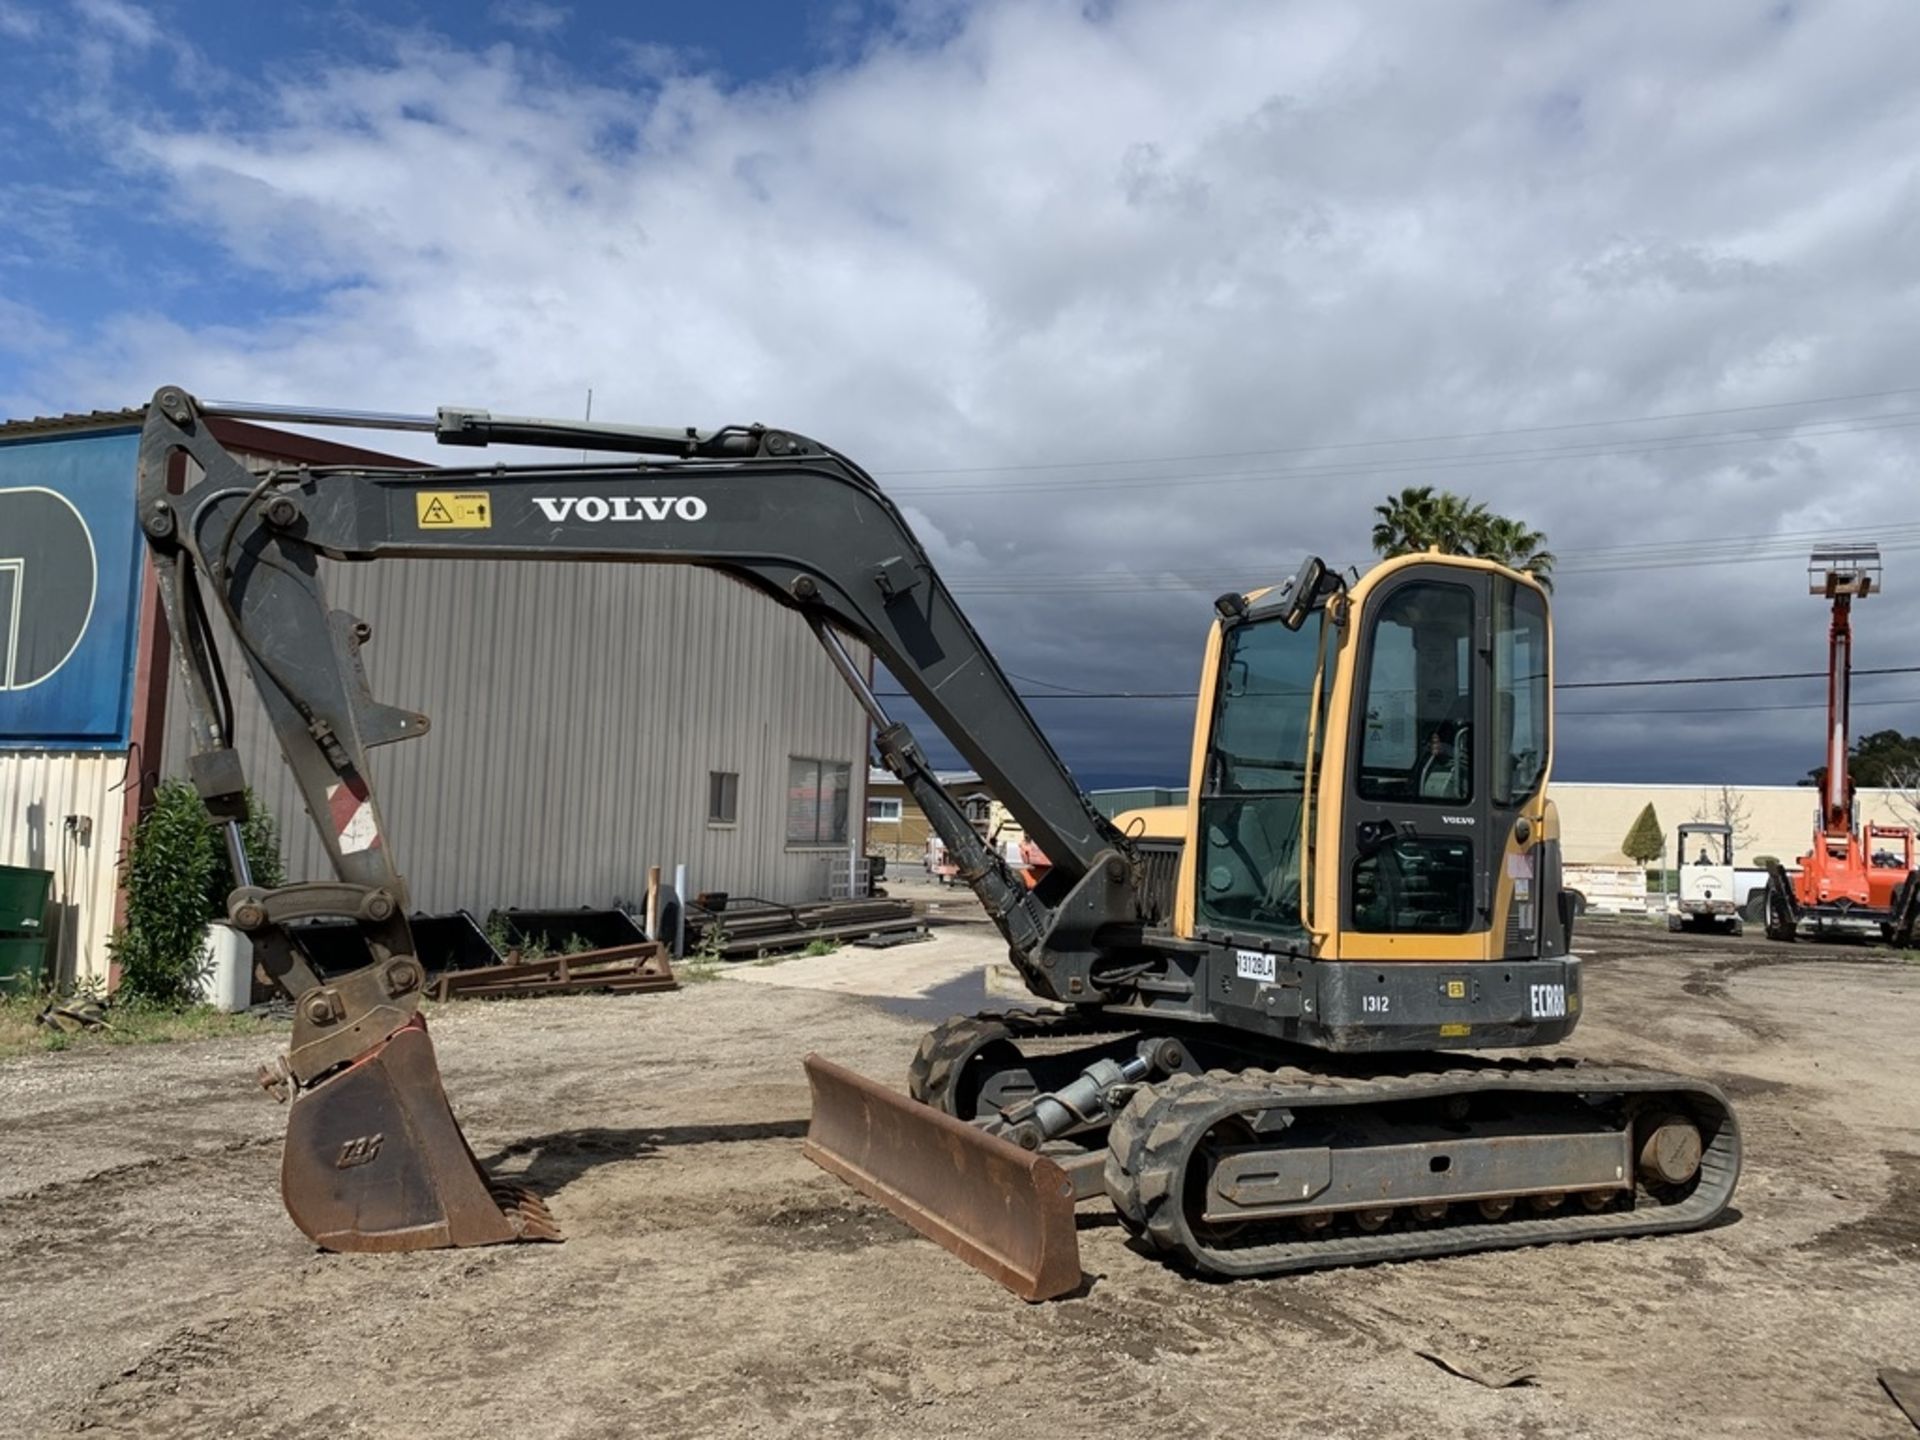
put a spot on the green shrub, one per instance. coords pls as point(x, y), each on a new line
point(177, 878)
point(1645, 840)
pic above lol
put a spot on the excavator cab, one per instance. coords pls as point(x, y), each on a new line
point(1369, 785)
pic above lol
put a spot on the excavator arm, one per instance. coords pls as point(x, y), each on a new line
point(794, 520)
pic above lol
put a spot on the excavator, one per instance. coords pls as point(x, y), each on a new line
point(1264, 1009)
point(1857, 878)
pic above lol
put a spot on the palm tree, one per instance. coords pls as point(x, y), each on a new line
point(1406, 522)
point(1417, 519)
point(1514, 544)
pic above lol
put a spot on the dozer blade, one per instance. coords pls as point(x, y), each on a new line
point(376, 1161)
point(1006, 1212)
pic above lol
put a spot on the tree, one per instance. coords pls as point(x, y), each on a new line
point(1417, 519)
point(176, 879)
point(1885, 759)
point(1726, 806)
point(1517, 546)
point(1420, 518)
point(1646, 842)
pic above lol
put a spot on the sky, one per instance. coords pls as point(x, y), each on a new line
point(1128, 303)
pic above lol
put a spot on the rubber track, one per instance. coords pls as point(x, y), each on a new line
point(1149, 1145)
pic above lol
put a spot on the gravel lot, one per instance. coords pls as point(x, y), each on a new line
point(715, 1283)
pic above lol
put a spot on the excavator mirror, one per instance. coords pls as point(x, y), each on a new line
point(1304, 590)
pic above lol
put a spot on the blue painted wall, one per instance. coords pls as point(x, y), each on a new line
point(69, 590)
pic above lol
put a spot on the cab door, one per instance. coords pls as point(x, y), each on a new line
point(1416, 832)
point(1444, 793)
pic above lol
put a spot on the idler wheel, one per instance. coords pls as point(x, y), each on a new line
point(1669, 1149)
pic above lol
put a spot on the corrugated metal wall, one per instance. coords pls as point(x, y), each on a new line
point(39, 789)
point(577, 710)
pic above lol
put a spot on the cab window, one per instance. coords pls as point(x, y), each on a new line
point(1417, 740)
point(1520, 692)
point(1250, 869)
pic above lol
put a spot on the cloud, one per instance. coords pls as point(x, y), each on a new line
point(132, 25)
point(1211, 246)
point(17, 22)
point(532, 16)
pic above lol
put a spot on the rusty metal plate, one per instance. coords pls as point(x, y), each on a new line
point(374, 1160)
point(1006, 1212)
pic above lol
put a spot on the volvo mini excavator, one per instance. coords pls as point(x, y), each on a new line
point(1259, 1047)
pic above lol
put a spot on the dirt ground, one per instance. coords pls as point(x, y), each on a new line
point(714, 1283)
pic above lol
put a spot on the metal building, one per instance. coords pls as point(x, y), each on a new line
point(589, 721)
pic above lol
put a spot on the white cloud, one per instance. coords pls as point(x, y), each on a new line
point(131, 24)
point(1048, 232)
point(532, 16)
point(17, 22)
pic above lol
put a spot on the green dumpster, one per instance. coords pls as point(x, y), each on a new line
point(23, 928)
point(23, 964)
point(23, 900)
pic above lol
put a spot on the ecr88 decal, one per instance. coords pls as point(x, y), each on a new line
point(1547, 1002)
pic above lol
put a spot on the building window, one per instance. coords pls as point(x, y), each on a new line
point(883, 810)
point(723, 797)
point(817, 797)
point(978, 810)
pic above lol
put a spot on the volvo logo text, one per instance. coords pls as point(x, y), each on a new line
point(594, 508)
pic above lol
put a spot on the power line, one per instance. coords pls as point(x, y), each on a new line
point(1191, 584)
point(1417, 465)
point(1725, 709)
point(1595, 560)
point(1408, 439)
point(1663, 680)
point(1050, 684)
point(1729, 679)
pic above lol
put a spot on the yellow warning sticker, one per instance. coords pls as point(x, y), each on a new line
point(1456, 989)
point(1455, 1031)
point(453, 509)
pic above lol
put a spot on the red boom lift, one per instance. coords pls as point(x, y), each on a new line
point(1856, 879)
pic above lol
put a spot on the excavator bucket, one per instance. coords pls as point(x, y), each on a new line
point(1003, 1210)
point(376, 1161)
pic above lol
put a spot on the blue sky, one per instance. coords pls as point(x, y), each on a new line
point(1127, 302)
point(91, 239)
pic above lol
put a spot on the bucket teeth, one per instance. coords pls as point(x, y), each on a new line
point(525, 1211)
